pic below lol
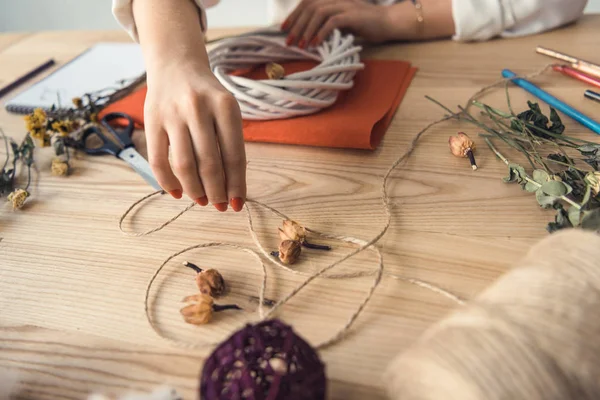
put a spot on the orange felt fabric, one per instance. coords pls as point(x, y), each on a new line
point(359, 118)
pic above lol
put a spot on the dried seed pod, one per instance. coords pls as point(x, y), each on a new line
point(59, 167)
point(211, 282)
point(593, 180)
point(292, 231)
point(289, 251)
point(18, 198)
point(198, 310)
point(462, 146)
point(200, 307)
point(274, 71)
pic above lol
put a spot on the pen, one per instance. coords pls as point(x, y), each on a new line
point(577, 63)
point(592, 95)
point(553, 101)
point(573, 73)
point(26, 77)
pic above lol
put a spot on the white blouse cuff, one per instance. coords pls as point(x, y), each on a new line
point(477, 20)
point(123, 13)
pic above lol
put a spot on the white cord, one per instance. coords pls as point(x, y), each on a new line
point(296, 94)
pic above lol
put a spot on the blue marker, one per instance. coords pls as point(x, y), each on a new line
point(554, 102)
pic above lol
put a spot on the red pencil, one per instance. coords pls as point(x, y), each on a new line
point(573, 73)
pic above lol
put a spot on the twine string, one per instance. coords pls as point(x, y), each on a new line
point(363, 245)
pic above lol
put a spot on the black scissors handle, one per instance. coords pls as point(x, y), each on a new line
point(122, 135)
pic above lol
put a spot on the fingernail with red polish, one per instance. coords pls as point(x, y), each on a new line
point(285, 25)
point(313, 42)
point(202, 201)
point(237, 204)
point(177, 193)
point(221, 207)
point(302, 43)
point(290, 39)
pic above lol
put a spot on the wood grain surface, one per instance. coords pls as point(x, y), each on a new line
point(71, 285)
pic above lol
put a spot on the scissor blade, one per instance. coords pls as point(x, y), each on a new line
point(140, 165)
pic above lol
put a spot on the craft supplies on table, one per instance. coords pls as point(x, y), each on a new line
point(28, 76)
point(592, 95)
point(577, 75)
point(358, 119)
point(116, 141)
point(577, 63)
point(553, 101)
point(103, 67)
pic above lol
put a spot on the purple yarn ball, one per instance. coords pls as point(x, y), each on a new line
point(266, 361)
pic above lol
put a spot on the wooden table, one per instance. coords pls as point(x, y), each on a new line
point(71, 286)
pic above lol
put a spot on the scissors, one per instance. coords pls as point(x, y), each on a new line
point(121, 145)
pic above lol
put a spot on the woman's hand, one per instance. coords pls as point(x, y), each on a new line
point(188, 109)
point(312, 21)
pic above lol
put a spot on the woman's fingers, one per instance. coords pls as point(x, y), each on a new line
point(184, 163)
point(158, 157)
point(322, 14)
point(300, 18)
point(345, 20)
point(231, 143)
point(208, 157)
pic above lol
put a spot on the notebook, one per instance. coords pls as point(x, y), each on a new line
point(102, 66)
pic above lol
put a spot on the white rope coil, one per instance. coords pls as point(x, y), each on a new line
point(296, 94)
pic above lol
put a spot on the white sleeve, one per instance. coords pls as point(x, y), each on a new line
point(484, 19)
point(123, 13)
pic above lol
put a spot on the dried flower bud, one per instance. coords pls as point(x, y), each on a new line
point(198, 310)
point(17, 198)
point(274, 71)
point(593, 180)
point(63, 127)
point(292, 231)
point(210, 282)
point(463, 146)
point(289, 251)
point(77, 102)
point(59, 167)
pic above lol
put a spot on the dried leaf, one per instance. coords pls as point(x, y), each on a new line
point(555, 188)
point(574, 215)
point(516, 173)
point(591, 220)
point(531, 187)
point(561, 220)
point(540, 176)
point(544, 200)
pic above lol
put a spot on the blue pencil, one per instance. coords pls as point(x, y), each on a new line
point(554, 102)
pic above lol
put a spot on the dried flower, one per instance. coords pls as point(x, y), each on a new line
point(77, 102)
point(211, 282)
point(198, 310)
point(289, 251)
point(59, 167)
point(63, 127)
point(292, 231)
point(274, 71)
point(18, 198)
point(36, 125)
point(463, 146)
point(593, 180)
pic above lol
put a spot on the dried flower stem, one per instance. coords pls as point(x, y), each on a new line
point(315, 246)
point(219, 307)
point(527, 178)
point(192, 266)
point(6, 147)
